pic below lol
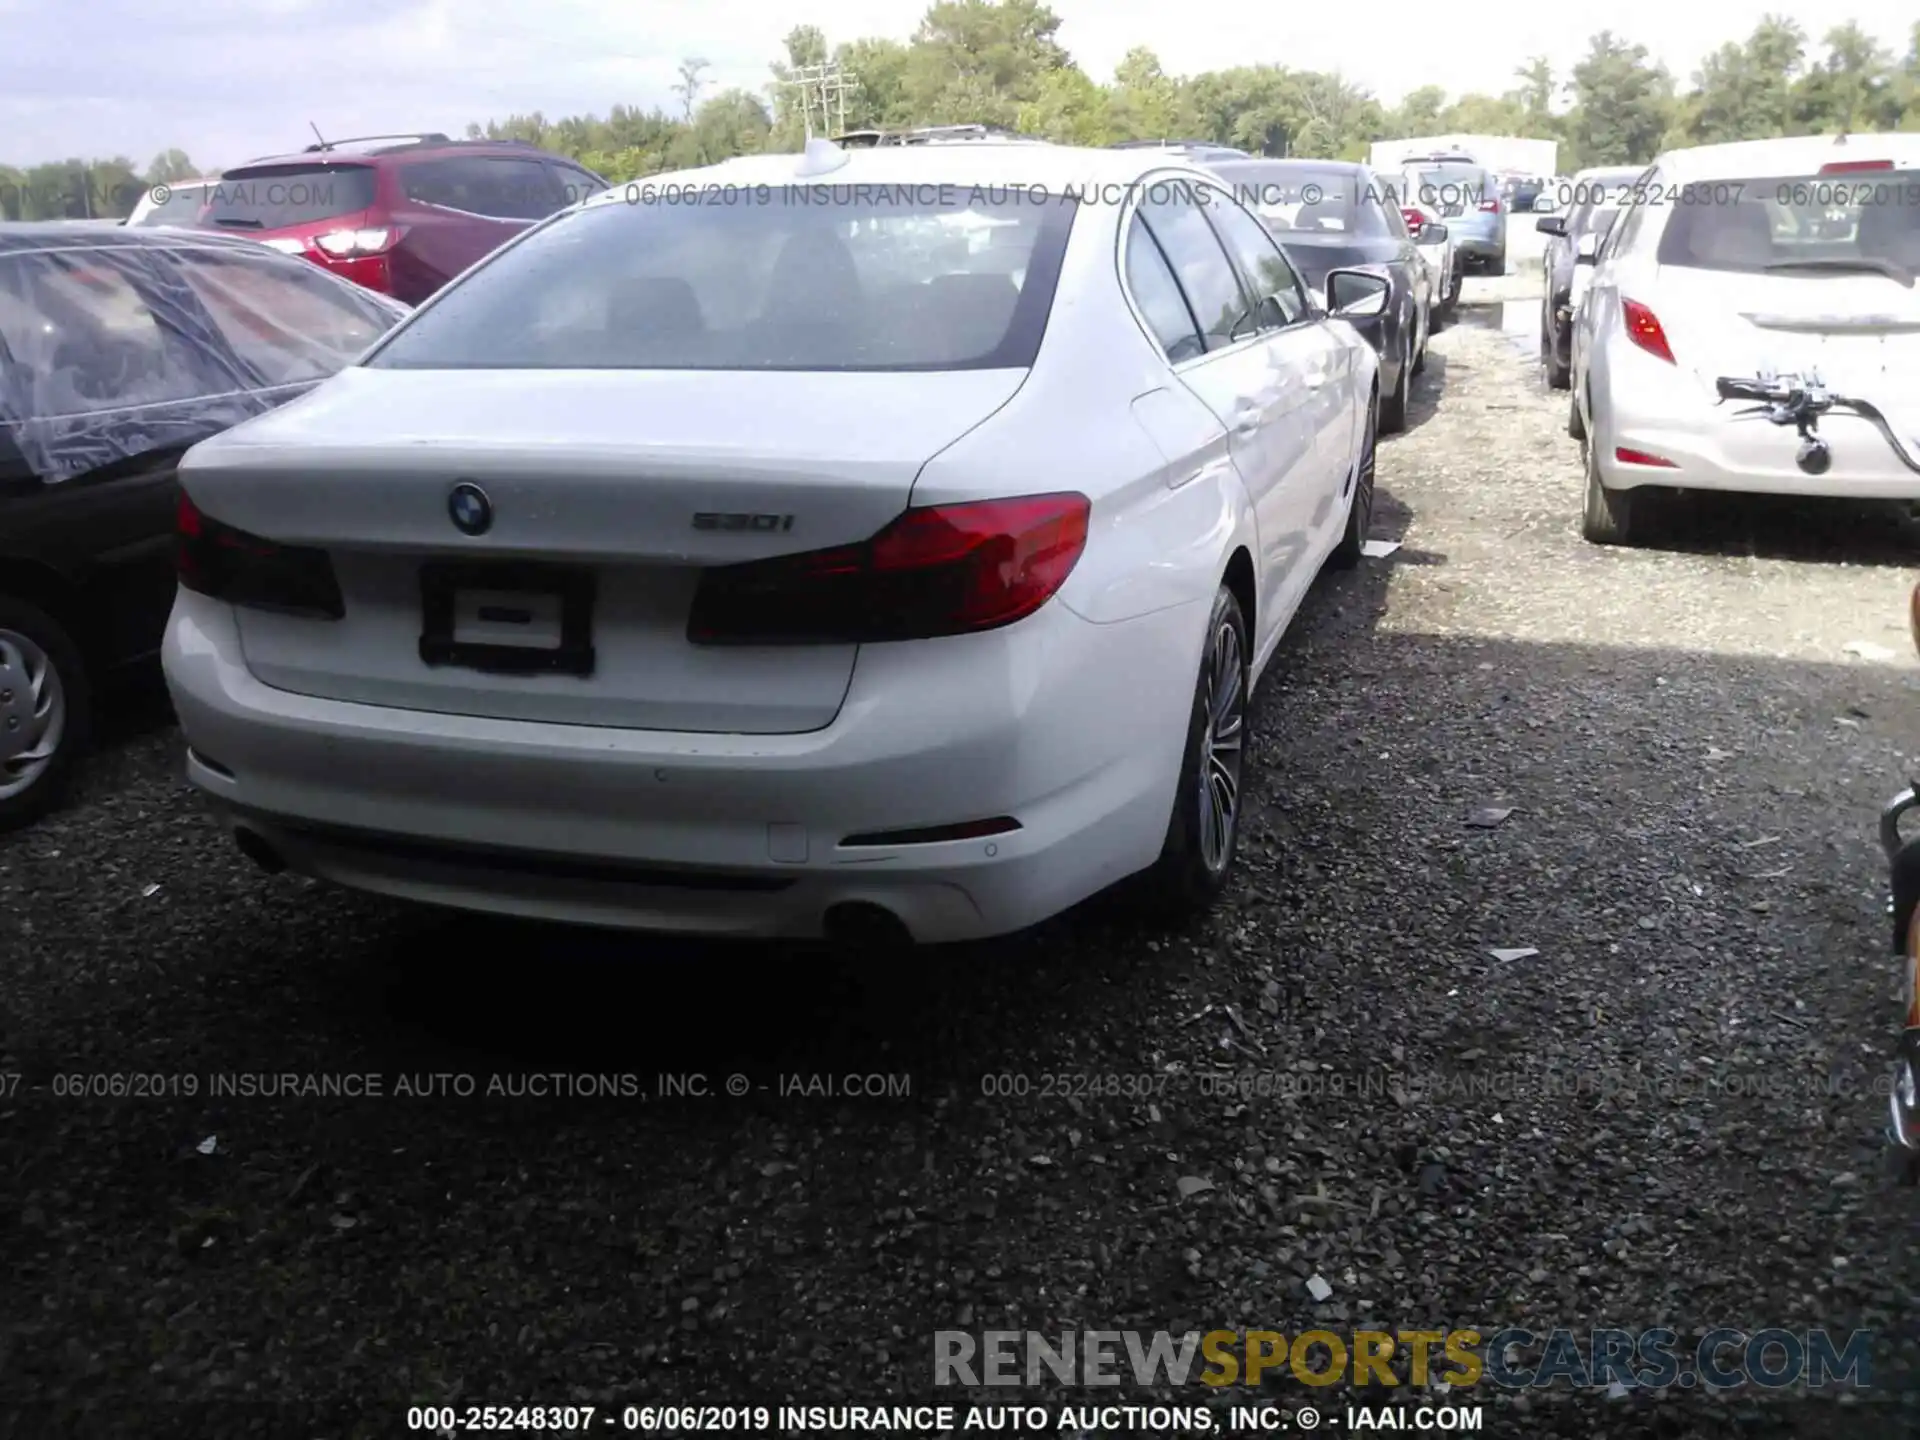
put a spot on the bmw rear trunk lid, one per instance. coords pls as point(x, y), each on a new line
point(636, 479)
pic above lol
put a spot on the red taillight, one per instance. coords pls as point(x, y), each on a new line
point(1643, 328)
point(943, 570)
point(1852, 167)
point(1491, 206)
point(218, 560)
point(1643, 457)
point(1413, 217)
point(355, 244)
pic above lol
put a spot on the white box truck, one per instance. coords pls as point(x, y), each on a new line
point(1502, 154)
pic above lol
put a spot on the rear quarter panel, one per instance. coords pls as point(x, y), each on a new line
point(1102, 413)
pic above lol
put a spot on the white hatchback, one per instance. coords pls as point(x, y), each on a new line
point(1793, 260)
point(781, 550)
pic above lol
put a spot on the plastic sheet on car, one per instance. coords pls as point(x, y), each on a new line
point(113, 350)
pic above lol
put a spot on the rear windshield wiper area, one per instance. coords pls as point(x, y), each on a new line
point(1857, 265)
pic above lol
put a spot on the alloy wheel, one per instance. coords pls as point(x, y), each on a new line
point(33, 712)
point(1222, 739)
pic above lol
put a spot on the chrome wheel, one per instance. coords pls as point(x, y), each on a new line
point(1221, 742)
point(33, 713)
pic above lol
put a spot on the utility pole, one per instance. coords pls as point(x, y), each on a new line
point(829, 85)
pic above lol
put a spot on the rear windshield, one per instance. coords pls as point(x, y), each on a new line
point(274, 197)
point(1300, 202)
point(1846, 223)
point(180, 207)
point(1450, 189)
point(1596, 202)
point(820, 277)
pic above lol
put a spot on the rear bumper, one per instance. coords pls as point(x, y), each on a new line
point(1489, 244)
point(1708, 457)
point(1047, 722)
point(1646, 405)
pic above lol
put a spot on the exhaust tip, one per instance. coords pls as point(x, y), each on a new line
point(259, 851)
point(861, 925)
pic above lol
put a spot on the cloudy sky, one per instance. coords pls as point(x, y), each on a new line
point(226, 80)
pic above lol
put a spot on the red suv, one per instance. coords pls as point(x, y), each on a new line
point(401, 214)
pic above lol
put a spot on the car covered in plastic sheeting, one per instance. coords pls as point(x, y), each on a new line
point(120, 349)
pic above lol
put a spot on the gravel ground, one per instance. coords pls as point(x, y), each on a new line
point(1669, 1115)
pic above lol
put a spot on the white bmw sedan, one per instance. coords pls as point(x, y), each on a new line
point(1792, 262)
point(877, 544)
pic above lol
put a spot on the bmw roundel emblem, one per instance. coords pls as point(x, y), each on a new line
point(472, 512)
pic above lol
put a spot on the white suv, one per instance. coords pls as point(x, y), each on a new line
point(1790, 258)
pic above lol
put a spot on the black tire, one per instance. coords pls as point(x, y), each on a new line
point(1426, 333)
point(1192, 869)
point(1393, 407)
point(34, 645)
point(1559, 377)
point(1498, 264)
point(1576, 426)
point(1346, 554)
point(1607, 516)
point(1453, 300)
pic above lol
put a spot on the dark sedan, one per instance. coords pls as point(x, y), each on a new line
point(119, 349)
point(1332, 215)
point(1590, 205)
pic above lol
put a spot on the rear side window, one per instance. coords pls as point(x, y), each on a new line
point(275, 197)
point(288, 322)
point(1173, 213)
point(181, 207)
point(819, 277)
point(573, 183)
point(1850, 222)
point(501, 189)
point(1260, 261)
point(82, 338)
point(1158, 295)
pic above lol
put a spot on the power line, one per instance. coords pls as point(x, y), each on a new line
point(828, 84)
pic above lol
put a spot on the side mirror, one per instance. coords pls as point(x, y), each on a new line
point(1552, 225)
point(1317, 298)
point(1432, 233)
point(1586, 250)
point(1356, 294)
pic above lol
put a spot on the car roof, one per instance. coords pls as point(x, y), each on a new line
point(1054, 169)
point(1787, 156)
point(371, 155)
point(1294, 162)
point(18, 237)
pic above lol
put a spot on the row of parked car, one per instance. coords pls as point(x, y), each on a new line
point(890, 565)
point(1741, 317)
point(399, 214)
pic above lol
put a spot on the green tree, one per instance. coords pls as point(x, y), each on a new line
point(169, 166)
point(1622, 104)
point(1146, 102)
point(1417, 114)
point(980, 60)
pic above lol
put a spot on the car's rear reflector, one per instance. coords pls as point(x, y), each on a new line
point(1850, 167)
point(934, 835)
point(1643, 457)
point(1645, 330)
